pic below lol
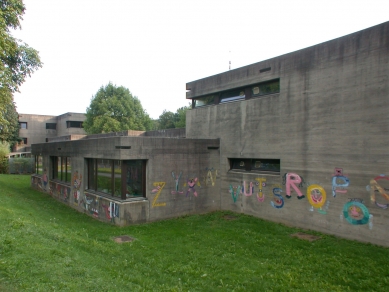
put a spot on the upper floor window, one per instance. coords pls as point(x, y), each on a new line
point(232, 95)
point(51, 126)
point(205, 100)
point(74, 124)
point(268, 87)
point(256, 165)
point(23, 125)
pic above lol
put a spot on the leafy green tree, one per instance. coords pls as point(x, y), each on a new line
point(18, 60)
point(4, 150)
point(114, 109)
point(9, 131)
point(169, 120)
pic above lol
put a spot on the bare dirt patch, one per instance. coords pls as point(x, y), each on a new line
point(305, 236)
point(123, 238)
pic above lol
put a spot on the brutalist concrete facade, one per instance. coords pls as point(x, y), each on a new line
point(328, 126)
point(42, 128)
point(180, 175)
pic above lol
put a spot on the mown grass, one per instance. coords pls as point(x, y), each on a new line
point(47, 246)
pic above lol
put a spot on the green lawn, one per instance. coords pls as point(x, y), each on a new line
point(47, 246)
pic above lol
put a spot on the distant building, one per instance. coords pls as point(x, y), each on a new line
point(300, 139)
point(36, 129)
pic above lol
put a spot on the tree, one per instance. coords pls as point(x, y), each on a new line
point(18, 61)
point(9, 131)
point(169, 120)
point(114, 109)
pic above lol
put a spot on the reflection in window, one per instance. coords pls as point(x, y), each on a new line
point(205, 100)
point(23, 125)
point(122, 179)
point(134, 184)
point(61, 168)
point(268, 87)
point(232, 95)
point(256, 165)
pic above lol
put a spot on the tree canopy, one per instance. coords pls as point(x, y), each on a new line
point(18, 61)
point(168, 119)
point(115, 109)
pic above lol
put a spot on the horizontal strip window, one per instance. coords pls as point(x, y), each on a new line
point(205, 100)
point(51, 126)
point(256, 165)
point(232, 95)
point(268, 87)
point(74, 124)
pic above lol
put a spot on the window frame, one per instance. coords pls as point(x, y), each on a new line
point(74, 124)
point(23, 123)
point(49, 126)
point(60, 166)
point(92, 177)
point(267, 165)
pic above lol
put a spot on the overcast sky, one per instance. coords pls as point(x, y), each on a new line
point(155, 47)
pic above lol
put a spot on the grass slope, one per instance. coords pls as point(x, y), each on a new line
point(47, 246)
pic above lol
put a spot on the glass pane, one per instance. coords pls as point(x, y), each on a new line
point(91, 174)
point(59, 165)
point(206, 100)
point(104, 176)
point(266, 165)
point(38, 163)
point(232, 95)
point(117, 166)
point(134, 177)
point(268, 87)
point(68, 174)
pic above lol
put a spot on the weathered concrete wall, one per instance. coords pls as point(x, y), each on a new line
point(36, 131)
point(62, 128)
point(332, 112)
point(181, 177)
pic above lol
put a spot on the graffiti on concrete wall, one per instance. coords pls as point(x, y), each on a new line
point(177, 178)
point(111, 211)
point(91, 205)
point(355, 212)
point(158, 187)
point(379, 186)
point(261, 183)
point(76, 183)
point(277, 200)
point(192, 183)
point(209, 176)
point(293, 181)
point(248, 189)
point(339, 182)
point(317, 197)
point(235, 191)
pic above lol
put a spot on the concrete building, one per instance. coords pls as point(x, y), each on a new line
point(41, 128)
point(301, 139)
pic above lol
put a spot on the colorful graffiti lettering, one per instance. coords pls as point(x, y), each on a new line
point(159, 187)
point(317, 197)
point(210, 176)
point(277, 201)
point(295, 181)
point(191, 186)
point(177, 183)
point(356, 213)
point(111, 211)
point(234, 194)
point(249, 190)
point(339, 180)
point(261, 184)
point(76, 182)
point(375, 187)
